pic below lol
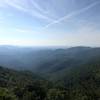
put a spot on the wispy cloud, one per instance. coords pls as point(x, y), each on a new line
point(2, 3)
point(70, 15)
point(37, 12)
point(38, 7)
point(23, 30)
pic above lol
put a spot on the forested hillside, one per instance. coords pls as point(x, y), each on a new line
point(45, 60)
point(82, 83)
point(61, 74)
point(16, 85)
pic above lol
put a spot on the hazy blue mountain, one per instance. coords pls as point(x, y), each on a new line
point(62, 59)
point(66, 73)
point(46, 60)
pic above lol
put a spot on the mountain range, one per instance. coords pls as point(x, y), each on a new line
point(45, 60)
point(31, 73)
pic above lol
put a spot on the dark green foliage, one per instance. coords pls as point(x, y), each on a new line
point(82, 83)
point(5, 94)
point(56, 94)
point(16, 85)
point(74, 76)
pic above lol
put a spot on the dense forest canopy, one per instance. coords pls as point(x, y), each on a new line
point(63, 74)
point(49, 49)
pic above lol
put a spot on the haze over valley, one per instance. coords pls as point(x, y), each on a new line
point(49, 49)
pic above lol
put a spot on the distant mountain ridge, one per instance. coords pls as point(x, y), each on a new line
point(72, 73)
point(46, 60)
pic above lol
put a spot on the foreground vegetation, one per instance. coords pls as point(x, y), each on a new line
point(62, 74)
point(80, 84)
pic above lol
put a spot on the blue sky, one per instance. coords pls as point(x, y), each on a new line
point(50, 22)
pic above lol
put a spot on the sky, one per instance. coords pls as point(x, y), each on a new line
point(50, 22)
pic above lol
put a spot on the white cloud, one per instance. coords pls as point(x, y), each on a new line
point(22, 5)
point(72, 14)
point(87, 35)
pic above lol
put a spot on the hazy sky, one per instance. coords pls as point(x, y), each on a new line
point(50, 22)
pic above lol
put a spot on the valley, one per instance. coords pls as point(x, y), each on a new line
point(49, 74)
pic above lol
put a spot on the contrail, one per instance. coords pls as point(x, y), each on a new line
point(42, 11)
point(31, 12)
point(37, 6)
point(72, 14)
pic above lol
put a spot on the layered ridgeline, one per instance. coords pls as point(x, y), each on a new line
point(46, 60)
point(66, 74)
point(82, 83)
point(22, 85)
